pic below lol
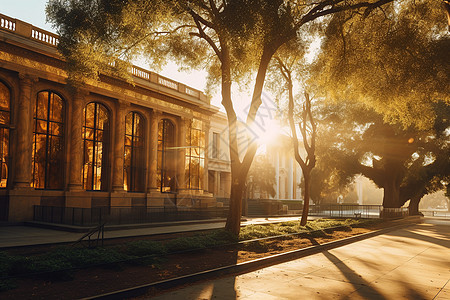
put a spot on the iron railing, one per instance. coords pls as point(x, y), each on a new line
point(436, 213)
point(123, 215)
point(346, 210)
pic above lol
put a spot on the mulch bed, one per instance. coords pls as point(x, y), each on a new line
point(90, 282)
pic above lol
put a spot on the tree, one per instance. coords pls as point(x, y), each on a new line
point(231, 39)
point(424, 177)
point(397, 67)
point(406, 163)
point(395, 61)
point(263, 176)
point(307, 127)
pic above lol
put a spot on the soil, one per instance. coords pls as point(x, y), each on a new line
point(94, 281)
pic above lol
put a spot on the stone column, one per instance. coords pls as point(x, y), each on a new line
point(76, 141)
point(181, 176)
point(291, 179)
point(153, 151)
point(119, 146)
point(277, 174)
point(206, 128)
point(217, 184)
point(22, 178)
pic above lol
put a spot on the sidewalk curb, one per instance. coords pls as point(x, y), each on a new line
point(249, 266)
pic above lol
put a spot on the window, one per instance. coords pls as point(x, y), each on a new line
point(195, 155)
point(96, 144)
point(215, 145)
point(5, 99)
point(134, 153)
point(166, 177)
point(48, 141)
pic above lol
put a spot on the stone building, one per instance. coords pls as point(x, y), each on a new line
point(219, 167)
point(288, 172)
point(108, 143)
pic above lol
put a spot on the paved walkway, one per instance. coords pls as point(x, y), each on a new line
point(11, 236)
point(409, 263)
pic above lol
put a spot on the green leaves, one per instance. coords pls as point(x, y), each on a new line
point(393, 61)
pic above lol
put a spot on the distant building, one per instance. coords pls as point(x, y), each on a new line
point(288, 172)
point(219, 166)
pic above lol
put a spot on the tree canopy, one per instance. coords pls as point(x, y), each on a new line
point(406, 163)
point(395, 61)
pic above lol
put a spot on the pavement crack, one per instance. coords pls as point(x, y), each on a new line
point(441, 289)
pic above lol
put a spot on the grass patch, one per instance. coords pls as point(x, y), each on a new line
point(266, 230)
point(210, 239)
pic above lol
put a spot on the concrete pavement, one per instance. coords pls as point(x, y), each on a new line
point(408, 263)
point(12, 236)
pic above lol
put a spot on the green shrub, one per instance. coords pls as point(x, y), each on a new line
point(6, 261)
point(144, 248)
point(83, 257)
point(185, 243)
point(7, 284)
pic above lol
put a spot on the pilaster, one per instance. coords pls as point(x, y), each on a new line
point(181, 153)
point(119, 146)
point(76, 141)
point(22, 178)
point(206, 128)
point(153, 151)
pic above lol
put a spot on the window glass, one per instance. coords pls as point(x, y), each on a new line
point(195, 155)
point(48, 141)
point(134, 161)
point(96, 145)
point(166, 179)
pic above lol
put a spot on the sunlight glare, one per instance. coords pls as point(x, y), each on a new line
point(269, 134)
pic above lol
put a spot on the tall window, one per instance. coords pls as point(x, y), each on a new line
point(48, 141)
point(96, 144)
point(215, 145)
point(195, 155)
point(5, 99)
point(134, 153)
point(166, 177)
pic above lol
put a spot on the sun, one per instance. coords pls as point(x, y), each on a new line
point(268, 134)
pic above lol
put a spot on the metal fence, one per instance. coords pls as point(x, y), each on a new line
point(123, 215)
point(436, 213)
point(346, 210)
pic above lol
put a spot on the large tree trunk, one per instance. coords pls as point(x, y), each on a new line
point(307, 177)
point(393, 176)
point(414, 205)
point(233, 224)
point(391, 194)
point(239, 170)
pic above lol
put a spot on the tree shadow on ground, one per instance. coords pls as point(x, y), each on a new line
point(362, 286)
point(412, 233)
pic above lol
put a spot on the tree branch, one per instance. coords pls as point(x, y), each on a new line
point(202, 34)
point(319, 11)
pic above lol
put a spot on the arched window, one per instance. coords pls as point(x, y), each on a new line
point(167, 181)
point(195, 155)
point(5, 99)
point(134, 162)
point(96, 145)
point(48, 141)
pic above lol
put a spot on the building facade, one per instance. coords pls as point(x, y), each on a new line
point(219, 166)
point(288, 174)
point(108, 143)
